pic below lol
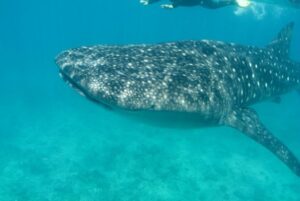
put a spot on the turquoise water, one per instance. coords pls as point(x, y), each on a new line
point(56, 145)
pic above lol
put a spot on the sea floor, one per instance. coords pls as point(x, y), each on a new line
point(65, 148)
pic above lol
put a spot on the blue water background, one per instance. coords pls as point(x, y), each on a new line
point(56, 145)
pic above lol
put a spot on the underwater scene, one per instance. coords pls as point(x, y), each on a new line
point(230, 73)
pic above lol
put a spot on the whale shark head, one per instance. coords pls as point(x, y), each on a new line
point(76, 72)
point(143, 77)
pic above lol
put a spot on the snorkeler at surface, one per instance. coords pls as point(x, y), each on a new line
point(212, 4)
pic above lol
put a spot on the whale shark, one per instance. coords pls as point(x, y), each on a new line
point(191, 84)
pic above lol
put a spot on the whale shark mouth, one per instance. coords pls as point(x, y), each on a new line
point(81, 90)
point(71, 83)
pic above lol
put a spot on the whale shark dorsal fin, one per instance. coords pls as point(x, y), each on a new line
point(247, 121)
point(281, 44)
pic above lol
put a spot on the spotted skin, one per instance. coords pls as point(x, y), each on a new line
point(215, 81)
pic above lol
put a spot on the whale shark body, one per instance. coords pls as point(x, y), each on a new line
point(201, 83)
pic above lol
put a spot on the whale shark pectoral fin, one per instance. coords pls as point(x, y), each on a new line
point(247, 121)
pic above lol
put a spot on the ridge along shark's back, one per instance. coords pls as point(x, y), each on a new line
point(212, 80)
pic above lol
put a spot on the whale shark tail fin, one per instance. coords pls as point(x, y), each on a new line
point(247, 121)
point(281, 44)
